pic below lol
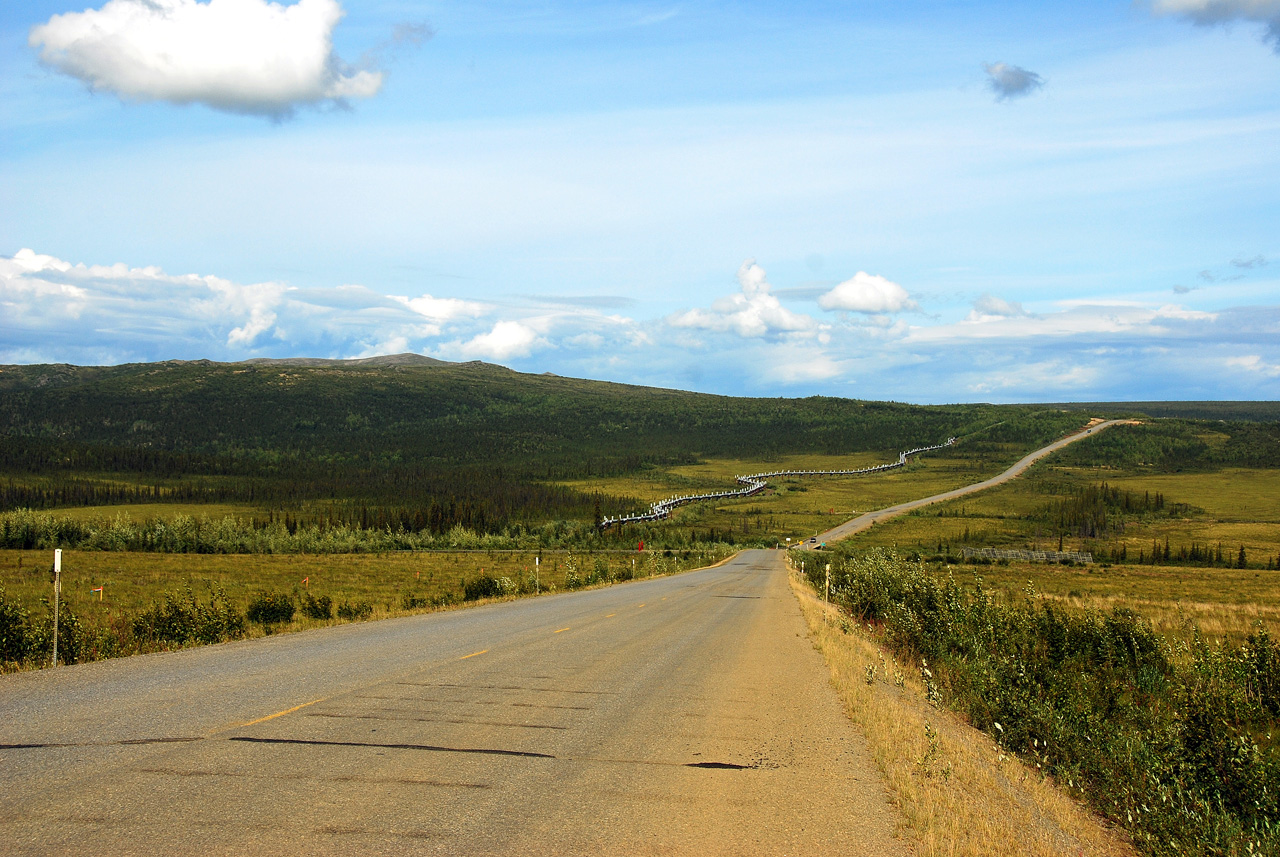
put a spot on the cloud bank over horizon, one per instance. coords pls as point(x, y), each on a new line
point(747, 343)
point(239, 56)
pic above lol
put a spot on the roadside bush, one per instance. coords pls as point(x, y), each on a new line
point(409, 601)
point(268, 608)
point(353, 610)
point(181, 619)
point(484, 586)
point(17, 642)
point(1176, 745)
point(445, 599)
point(317, 607)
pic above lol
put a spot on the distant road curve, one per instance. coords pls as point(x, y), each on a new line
point(864, 522)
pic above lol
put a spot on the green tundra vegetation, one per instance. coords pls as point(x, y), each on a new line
point(1178, 742)
point(408, 448)
point(1181, 517)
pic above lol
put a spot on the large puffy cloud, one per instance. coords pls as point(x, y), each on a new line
point(242, 56)
point(508, 339)
point(1210, 12)
point(753, 312)
point(1011, 81)
point(867, 293)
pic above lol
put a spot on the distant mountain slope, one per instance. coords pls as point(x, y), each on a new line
point(410, 408)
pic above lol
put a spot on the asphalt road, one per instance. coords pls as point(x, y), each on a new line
point(865, 521)
point(680, 715)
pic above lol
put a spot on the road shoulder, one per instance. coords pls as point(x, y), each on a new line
point(958, 794)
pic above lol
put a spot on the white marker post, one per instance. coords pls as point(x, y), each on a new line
point(537, 583)
point(826, 592)
point(57, 591)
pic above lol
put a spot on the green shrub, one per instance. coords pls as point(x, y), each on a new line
point(17, 640)
point(484, 586)
point(268, 608)
point(353, 610)
point(1176, 747)
point(317, 607)
point(409, 601)
point(181, 619)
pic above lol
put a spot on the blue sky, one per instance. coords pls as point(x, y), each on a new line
point(926, 202)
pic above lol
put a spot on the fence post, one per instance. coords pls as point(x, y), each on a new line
point(57, 591)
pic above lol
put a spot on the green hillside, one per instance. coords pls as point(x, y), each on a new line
point(415, 442)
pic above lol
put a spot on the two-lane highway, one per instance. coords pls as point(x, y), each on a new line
point(680, 715)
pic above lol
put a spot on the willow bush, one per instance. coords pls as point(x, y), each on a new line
point(1174, 742)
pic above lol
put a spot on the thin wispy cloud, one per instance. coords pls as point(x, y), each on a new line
point(1011, 81)
point(991, 308)
point(240, 56)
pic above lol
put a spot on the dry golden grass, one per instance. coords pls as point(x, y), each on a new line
point(133, 581)
point(959, 795)
point(1223, 603)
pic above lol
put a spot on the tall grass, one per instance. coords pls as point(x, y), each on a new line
point(1174, 741)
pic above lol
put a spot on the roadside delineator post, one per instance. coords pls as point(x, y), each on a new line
point(57, 591)
point(826, 593)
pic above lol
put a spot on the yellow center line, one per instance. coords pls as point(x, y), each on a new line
point(279, 713)
point(610, 615)
point(562, 630)
point(473, 654)
point(641, 606)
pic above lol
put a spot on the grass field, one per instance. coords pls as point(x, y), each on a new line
point(1235, 508)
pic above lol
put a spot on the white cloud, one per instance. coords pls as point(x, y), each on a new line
point(1047, 375)
point(753, 313)
point(442, 309)
point(1255, 363)
point(1011, 81)
point(508, 339)
point(242, 56)
point(805, 365)
point(868, 293)
point(991, 308)
point(1075, 319)
point(1207, 13)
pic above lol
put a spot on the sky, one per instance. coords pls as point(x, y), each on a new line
point(923, 202)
